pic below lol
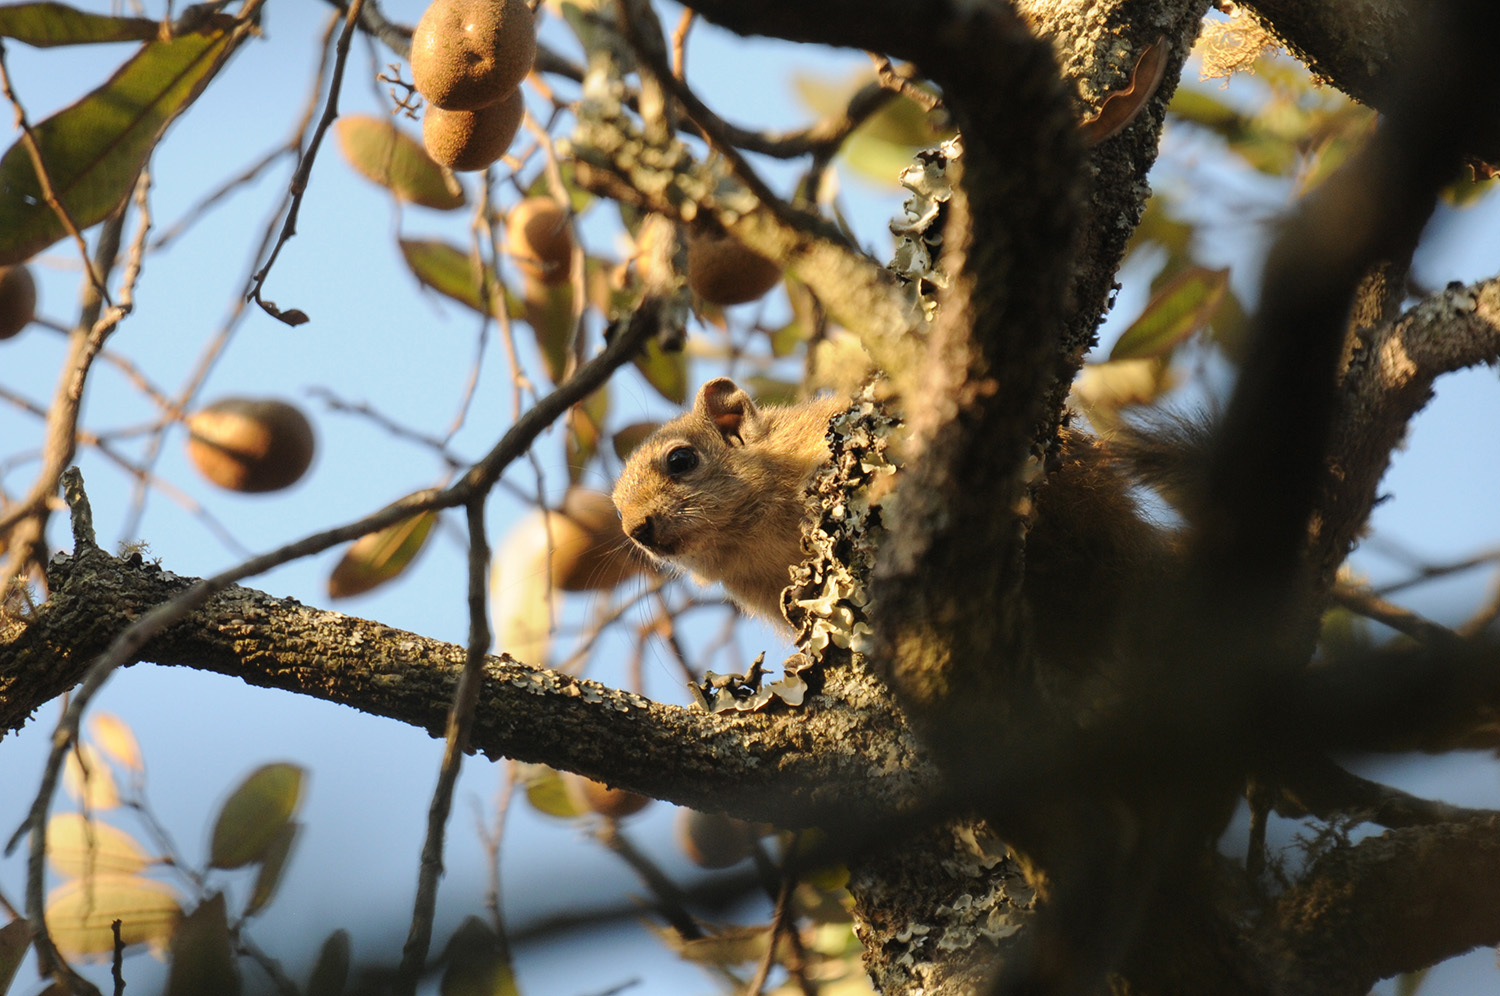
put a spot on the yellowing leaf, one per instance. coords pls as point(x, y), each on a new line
point(1179, 309)
point(727, 947)
point(202, 953)
point(113, 736)
point(331, 971)
point(521, 600)
point(44, 25)
point(1103, 389)
point(547, 794)
point(80, 911)
point(392, 158)
point(88, 779)
point(377, 557)
point(94, 149)
point(79, 847)
point(252, 817)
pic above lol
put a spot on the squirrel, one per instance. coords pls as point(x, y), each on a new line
point(719, 491)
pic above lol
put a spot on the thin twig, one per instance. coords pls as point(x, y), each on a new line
point(304, 169)
point(61, 441)
point(1485, 615)
point(493, 839)
point(216, 346)
point(900, 80)
point(1372, 606)
point(201, 207)
point(679, 43)
point(460, 724)
point(269, 965)
point(671, 903)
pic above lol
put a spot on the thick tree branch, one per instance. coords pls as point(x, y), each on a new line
point(792, 769)
point(1387, 379)
point(1393, 903)
point(1323, 789)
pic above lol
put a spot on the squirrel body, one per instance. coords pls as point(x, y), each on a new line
point(719, 491)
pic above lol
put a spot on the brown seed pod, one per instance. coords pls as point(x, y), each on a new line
point(466, 54)
point(597, 797)
point(472, 140)
point(539, 240)
point(712, 840)
point(250, 444)
point(17, 299)
point(589, 552)
point(724, 271)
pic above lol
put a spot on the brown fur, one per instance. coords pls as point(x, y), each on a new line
point(736, 517)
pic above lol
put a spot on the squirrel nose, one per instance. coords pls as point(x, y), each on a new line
point(644, 532)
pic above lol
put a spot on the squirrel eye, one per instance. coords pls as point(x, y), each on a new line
point(681, 460)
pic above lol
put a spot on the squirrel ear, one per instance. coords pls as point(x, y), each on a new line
point(726, 404)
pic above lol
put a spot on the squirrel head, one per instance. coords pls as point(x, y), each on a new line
point(719, 491)
point(680, 487)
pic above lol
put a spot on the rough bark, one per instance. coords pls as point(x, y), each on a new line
point(788, 769)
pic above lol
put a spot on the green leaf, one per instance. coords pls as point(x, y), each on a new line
point(882, 145)
point(331, 972)
point(1175, 312)
point(1201, 108)
point(202, 953)
point(94, 149)
point(15, 938)
point(377, 557)
point(449, 271)
point(667, 372)
point(272, 867)
point(548, 309)
point(45, 25)
point(392, 158)
point(251, 819)
point(547, 794)
point(477, 963)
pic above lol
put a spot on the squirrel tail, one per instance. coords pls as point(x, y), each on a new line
point(1167, 452)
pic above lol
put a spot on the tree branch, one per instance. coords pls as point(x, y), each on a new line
point(789, 768)
point(1393, 903)
point(1387, 378)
